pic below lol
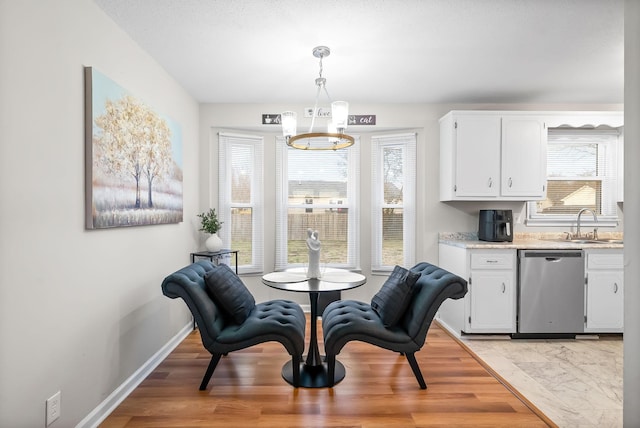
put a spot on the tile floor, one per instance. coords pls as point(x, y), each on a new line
point(576, 383)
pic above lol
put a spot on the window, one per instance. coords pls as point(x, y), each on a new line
point(317, 190)
point(581, 173)
point(393, 171)
point(240, 198)
point(320, 190)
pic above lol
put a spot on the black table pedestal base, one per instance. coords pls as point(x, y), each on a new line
point(313, 376)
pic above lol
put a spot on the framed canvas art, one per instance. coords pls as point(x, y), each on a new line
point(133, 159)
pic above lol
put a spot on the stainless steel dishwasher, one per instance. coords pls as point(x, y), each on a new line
point(551, 292)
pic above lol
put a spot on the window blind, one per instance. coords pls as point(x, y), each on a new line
point(581, 173)
point(240, 198)
point(393, 170)
point(317, 190)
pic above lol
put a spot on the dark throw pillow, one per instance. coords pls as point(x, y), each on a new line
point(392, 300)
point(230, 293)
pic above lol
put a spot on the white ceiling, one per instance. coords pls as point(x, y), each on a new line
point(386, 51)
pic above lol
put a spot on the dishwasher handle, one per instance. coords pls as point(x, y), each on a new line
point(550, 255)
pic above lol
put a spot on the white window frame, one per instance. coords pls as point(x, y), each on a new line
point(225, 205)
point(610, 139)
point(282, 207)
point(407, 142)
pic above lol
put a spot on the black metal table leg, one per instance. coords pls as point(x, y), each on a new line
point(313, 372)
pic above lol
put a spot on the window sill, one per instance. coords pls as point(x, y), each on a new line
point(607, 222)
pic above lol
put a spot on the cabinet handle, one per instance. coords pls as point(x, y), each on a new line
point(504, 288)
point(490, 182)
point(615, 287)
point(510, 182)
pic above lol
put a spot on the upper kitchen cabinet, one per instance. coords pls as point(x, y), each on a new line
point(492, 155)
point(524, 158)
point(469, 156)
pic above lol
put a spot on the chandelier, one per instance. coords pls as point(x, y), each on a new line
point(334, 138)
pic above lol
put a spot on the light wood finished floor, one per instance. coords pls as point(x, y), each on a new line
point(379, 390)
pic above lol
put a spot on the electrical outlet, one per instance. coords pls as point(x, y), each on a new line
point(53, 408)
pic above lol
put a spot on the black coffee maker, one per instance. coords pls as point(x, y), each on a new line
point(496, 226)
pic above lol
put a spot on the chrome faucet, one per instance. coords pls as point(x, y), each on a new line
point(595, 219)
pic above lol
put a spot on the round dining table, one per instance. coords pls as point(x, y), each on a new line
point(313, 370)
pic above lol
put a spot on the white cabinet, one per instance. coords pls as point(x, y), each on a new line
point(524, 157)
point(490, 304)
point(604, 294)
point(490, 155)
point(470, 156)
point(492, 292)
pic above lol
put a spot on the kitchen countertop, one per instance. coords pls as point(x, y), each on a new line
point(528, 241)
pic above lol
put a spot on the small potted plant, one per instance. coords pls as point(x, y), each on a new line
point(211, 225)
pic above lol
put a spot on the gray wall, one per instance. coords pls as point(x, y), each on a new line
point(80, 311)
point(632, 205)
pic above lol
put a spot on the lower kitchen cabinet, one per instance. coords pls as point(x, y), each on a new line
point(604, 293)
point(490, 304)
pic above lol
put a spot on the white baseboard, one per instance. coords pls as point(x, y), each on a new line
point(104, 409)
point(114, 399)
point(446, 326)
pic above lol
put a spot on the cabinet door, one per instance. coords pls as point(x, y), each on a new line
point(492, 302)
point(605, 301)
point(477, 156)
point(524, 157)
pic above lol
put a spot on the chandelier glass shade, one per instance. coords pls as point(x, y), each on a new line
point(334, 137)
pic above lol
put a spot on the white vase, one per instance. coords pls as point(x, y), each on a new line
point(213, 243)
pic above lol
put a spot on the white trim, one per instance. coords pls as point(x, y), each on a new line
point(607, 141)
point(407, 142)
point(282, 206)
point(255, 143)
point(282, 176)
point(109, 404)
point(602, 222)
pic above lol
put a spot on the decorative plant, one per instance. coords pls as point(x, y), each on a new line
point(210, 223)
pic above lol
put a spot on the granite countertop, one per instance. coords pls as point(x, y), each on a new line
point(528, 241)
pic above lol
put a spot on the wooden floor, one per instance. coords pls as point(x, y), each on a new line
point(379, 390)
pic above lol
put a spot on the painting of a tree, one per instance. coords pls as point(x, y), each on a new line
point(134, 175)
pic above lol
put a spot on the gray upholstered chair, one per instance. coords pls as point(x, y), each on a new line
point(407, 316)
point(228, 317)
